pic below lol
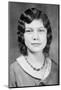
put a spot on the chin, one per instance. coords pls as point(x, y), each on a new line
point(36, 50)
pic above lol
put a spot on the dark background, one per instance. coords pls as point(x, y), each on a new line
point(14, 11)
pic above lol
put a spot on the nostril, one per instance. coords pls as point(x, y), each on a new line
point(35, 38)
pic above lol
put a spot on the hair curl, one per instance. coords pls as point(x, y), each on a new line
point(27, 17)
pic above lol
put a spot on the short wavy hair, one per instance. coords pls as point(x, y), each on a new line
point(27, 17)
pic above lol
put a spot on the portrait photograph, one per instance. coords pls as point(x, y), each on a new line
point(33, 40)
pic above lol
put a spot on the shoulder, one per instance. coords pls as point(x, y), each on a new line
point(54, 66)
point(54, 72)
point(15, 74)
point(15, 66)
point(53, 78)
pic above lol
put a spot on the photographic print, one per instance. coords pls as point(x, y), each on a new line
point(33, 45)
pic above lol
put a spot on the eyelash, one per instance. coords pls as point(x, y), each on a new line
point(32, 30)
point(28, 30)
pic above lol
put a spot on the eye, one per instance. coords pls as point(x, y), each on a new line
point(41, 30)
point(29, 30)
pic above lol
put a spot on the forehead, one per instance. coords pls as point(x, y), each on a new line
point(34, 24)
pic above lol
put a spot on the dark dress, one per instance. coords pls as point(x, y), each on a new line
point(18, 77)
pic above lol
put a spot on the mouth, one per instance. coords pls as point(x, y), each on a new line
point(36, 44)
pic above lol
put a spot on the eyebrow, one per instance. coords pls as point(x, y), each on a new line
point(28, 28)
point(42, 27)
point(38, 28)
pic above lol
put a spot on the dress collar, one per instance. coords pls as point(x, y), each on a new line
point(42, 74)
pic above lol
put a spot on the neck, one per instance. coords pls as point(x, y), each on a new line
point(36, 59)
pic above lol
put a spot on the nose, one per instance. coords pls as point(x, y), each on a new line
point(35, 36)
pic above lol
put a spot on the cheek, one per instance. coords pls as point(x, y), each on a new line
point(43, 37)
point(27, 39)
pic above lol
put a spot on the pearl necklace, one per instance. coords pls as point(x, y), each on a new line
point(34, 67)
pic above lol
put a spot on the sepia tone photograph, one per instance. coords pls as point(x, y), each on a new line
point(33, 41)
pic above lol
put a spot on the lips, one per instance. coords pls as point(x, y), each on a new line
point(36, 44)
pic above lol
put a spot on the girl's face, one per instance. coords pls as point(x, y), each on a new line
point(35, 36)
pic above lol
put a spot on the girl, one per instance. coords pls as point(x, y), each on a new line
point(34, 67)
